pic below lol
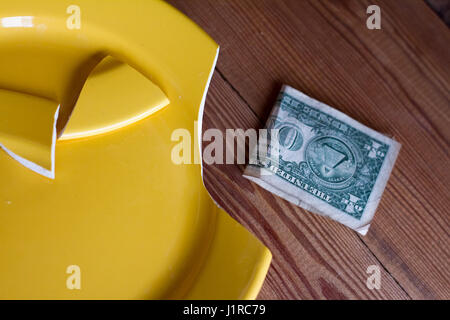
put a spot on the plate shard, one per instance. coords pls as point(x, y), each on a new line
point(28, 130)
point(115, 95)
point(28, 123)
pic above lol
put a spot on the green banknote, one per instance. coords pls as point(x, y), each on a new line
point(325, 161)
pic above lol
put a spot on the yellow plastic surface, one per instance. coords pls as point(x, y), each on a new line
point(135, 98)
point(27, 130)
point(137, 225)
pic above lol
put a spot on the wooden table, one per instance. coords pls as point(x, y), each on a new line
point(394, 80)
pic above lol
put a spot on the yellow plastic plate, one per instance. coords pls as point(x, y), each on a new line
point(120, 220)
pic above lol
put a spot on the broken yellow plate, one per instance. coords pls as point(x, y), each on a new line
point(120, 220)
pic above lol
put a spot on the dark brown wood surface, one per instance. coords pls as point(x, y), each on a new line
point(395, 80)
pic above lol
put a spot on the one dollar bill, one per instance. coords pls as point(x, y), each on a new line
point(326, 162)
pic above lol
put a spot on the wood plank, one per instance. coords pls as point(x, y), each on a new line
point(395, 80)
point(314, 258)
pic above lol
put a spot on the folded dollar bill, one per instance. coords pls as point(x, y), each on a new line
point(323, 161)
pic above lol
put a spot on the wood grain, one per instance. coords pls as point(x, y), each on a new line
point(395, 80)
